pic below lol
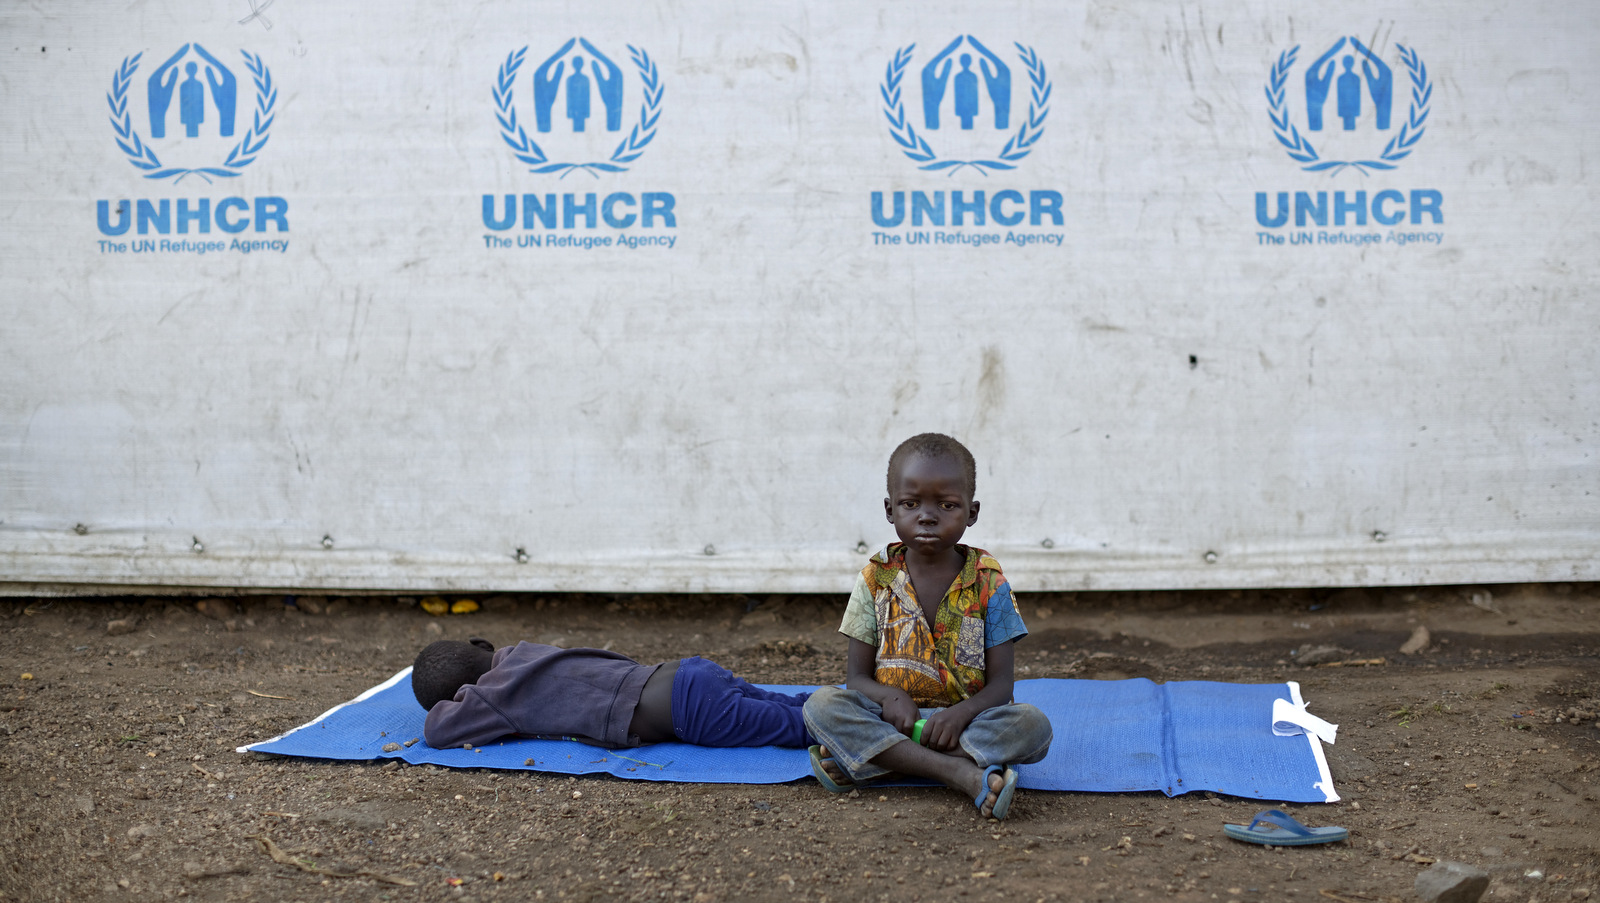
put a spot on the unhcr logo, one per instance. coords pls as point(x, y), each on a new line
point(194, 114)
point(1339, 99)
point(967, 109)
point(948, 84)
point(1350, 108)
point(203, 107)
point(564, 96)
point(581, 101)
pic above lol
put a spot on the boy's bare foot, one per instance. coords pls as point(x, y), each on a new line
point(832, 767)
point(958, 772)
point(997, 782)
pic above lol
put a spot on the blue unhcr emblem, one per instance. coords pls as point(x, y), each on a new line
point(191, 93)
point(604, 78)
point(939, 77)
point(1323, 78)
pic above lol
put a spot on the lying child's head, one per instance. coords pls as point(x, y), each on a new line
point(445, 666)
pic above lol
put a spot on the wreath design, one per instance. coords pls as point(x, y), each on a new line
point(917, 148)
point(143, 156)
point(1399, 147)
point(529, 152)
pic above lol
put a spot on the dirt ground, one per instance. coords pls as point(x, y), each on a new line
point(118, 779)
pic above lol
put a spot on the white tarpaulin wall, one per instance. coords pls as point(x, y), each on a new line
point(299, 298)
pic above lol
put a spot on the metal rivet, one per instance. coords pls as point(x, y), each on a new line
point(1211, 558)
point(80, 529)
point(710, 549)
point(522, 555)
point(861, 547)
point(327, 541)
point(198, 546)
point(1379, 536)
point(1048, 543)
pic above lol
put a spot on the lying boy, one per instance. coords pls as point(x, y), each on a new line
point(931, 624)
point(475, 694)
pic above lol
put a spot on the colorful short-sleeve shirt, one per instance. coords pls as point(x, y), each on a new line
point(939, 664)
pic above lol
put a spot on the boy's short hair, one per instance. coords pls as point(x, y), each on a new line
point(933, 445)
point(442, 668)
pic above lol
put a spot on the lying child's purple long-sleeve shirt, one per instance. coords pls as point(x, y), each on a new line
point(544, 691)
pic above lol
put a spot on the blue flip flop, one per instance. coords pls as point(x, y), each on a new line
point(1281, 830)
point(1008, 789)
point(822, 776)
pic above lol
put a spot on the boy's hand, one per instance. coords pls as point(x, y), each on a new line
point(942, 732)
point(897, 708)
point(900, 712)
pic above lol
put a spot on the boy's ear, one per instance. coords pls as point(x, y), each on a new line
point(973, 517)
point(888, 510)
point(481, 643)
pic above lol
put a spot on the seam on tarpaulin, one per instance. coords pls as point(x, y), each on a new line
point(1169, 745)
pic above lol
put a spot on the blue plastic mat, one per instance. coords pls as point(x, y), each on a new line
point(1110, 736)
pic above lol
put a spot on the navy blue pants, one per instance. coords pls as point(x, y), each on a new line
point(712, 707)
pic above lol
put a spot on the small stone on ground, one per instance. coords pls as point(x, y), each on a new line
point(1452, 882)
point(1418, 642)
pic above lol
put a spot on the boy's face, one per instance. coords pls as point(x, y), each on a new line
point(930, 504)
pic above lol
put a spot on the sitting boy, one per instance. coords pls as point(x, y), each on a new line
point(475, 694)
point(931, 624)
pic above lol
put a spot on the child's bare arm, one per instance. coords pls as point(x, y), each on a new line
point(898, 709)
point(944, 727)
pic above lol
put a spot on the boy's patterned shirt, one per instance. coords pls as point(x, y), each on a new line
point(939, 664)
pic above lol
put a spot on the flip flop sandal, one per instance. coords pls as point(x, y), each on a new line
point(1008, 789)
point(821, 774)
point(1281, 830)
